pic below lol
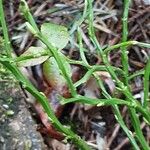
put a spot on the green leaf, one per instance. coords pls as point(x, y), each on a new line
point(52, 74)
point(33, 56)
point(57, 35)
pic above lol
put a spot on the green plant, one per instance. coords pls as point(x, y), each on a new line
point(51, 51)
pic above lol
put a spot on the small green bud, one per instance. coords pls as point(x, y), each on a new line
point(24, 9)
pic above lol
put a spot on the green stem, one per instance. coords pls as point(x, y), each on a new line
point(124, 51)
point(138, 73)
point(104, 92)
point(106, 102)
point(5, 32)
point(34, 29)
point(138, 130)
point(60, 63)
point(24, 9)
point(96, 101)
point(124, 127)
point(99, 51)
point(146, 85)
point(117, 113)
point(45, 104)
point(126, 44)
point(133, 115)
point(91, 27)
point(79, 22)
point(91, 70)
point(115, 107)
point(81, 47)
point(8, 63)
point(110, 48)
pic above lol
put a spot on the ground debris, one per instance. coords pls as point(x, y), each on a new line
point(17, 128)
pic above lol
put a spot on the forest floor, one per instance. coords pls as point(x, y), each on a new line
point(97, 125)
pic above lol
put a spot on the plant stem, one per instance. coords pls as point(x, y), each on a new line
point(104, 92)
point(124, 51)
point(126, 44)
point(134, 117)
point(146, 85)
point(115, 107)
point(106, 102)
point(34, 29)
point(95, 101)
point(118, 115)
point(125, 90)
point(9, 64)
point(138, 73)
point(24, 9)
point(81, 47)
point(138, 130)
point(110, 48)
point(45, 104)
point(79, 22)
point(5, 32)
point(91, 70)
point(60, 63)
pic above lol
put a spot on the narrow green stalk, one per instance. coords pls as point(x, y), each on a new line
point(91, 70)
point(81, 47)
point(106, 102)
point(9, 64)
point(5, 32)
point(26, 12)
point(91, 28)
point(115, 107)
point(60, 63)
point(117, 113)
point(34, 29)
point(95, 101)
point(126, 44)
point(146, 85)
point(45, 104)
point(125, 129)
point(133, 115)
point(110, 48)
point(125, 90)
point(138, 73)
point(124, 51)
point(79, 22)
point(138, 130)
point(75, 62)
